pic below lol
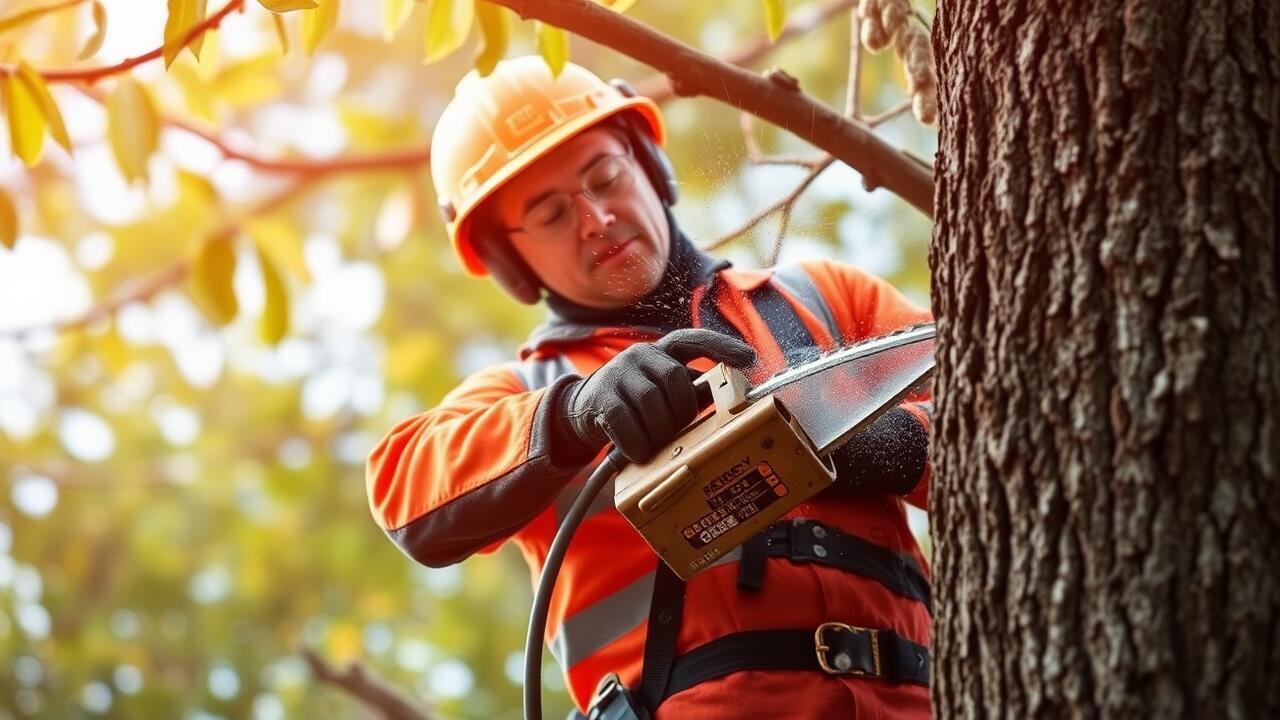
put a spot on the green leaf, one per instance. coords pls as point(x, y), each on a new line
point(275, 312)
point(553, 46)
point(94, 42)
point(48, 108)
point(394, 15)
point(495, 35)
point(448, 24)
point(775, 16)
point(133, 128)
point(8, 221)
point(26, 122)
point(211, 280)
point(317, 23)
point(284, 6)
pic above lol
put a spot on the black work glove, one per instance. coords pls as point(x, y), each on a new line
point(644, 396)
point(889, 456)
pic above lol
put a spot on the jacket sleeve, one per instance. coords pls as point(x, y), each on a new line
point(470, 472)
point(865, 306)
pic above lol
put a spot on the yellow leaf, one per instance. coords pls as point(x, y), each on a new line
point(195, 89)
point(281, 241)
point(275, 312)
point(23, 18)
point(553, 46)
point(284, 6)
point(48, 108)
point(211, 280)
point(133, 127)
point(248, 82)
point(495, 33)
point(182, 15)
point(197, 42)
point(94, 42)
point(775, 16)
point(448, 24)
point(8, 222)
point(281, 34)
point(620, 6)
point(113, 349)
point(394, 15)
point(317, 23)
point(26, 123)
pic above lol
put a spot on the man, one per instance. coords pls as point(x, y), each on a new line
point(557, 188)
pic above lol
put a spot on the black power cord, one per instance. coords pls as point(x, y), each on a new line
point(612, 464)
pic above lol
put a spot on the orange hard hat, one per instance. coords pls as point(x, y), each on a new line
point(499, 124)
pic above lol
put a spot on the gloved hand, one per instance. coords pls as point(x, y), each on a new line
point(889, 456)
point(641, 398)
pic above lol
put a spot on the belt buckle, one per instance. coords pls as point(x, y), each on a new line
point(821, 648)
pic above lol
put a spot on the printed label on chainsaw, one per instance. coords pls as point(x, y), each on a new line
point(734, 498)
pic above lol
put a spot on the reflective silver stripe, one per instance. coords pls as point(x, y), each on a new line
point(797, 282)
point(592, 628)
point(569, 493)
point(539, 373)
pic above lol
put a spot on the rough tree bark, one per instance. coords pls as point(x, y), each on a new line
point(1106, 502)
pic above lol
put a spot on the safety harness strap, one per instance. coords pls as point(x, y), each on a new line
point(665, 611)
point(835, 649)
point(805, 540)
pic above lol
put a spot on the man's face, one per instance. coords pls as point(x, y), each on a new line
point(604, 247)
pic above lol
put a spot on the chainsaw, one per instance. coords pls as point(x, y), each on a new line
point(753, 455)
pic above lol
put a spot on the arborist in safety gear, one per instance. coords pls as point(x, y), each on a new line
point(558, 189)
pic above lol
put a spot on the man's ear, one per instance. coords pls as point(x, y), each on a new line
point(503, 261)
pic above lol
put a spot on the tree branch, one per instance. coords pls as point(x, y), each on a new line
point(360, 682)
point(173, 274)
point(404, 159)
point(801, 21)
point(91, 75)
point(695, 73)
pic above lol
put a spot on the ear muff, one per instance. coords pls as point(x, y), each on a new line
point(653, 160)
point(505, 264)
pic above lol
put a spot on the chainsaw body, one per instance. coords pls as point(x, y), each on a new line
point(730, 474)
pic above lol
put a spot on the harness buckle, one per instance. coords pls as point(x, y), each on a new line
point(842, 663)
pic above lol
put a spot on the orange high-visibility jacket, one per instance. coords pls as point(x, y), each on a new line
point(475, 471)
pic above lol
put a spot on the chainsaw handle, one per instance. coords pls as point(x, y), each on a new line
point(701, 387)
point(723, 386)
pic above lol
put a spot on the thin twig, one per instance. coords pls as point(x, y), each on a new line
point(817, 167)
point(171, 275)
point(893, 112)
point(91, 75)
point(362, 683)
point(764, 214)
point(658, 89)
point(853, 93)
point(407, 158)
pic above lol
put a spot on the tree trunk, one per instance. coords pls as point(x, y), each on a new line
point(1106, 498)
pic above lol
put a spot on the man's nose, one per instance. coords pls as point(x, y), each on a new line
point(593, 217)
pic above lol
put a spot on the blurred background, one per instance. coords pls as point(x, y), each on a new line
point(182, 502)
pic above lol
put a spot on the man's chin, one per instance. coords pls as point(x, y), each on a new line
point(621, 289)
